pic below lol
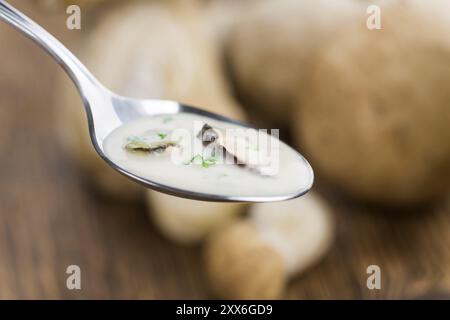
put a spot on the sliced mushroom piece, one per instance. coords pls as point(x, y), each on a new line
point(208, 134)
point(140, 144)
point(237, 148)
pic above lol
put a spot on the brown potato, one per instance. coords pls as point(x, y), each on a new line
point(255, 257)
point(224, 15)
point(188, 222)
point(376, 116)
point(270, 48)
point(240, 265)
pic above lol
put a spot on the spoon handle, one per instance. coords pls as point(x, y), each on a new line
point(82, 78)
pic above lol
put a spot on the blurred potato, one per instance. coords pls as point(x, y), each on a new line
point(240, 265)
point(224, 15)
point(187, 221)
point(376, 117)
point(153, 50)
point(255, 257)
point(270, 47)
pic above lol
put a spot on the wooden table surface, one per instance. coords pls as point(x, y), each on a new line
point(50, 217)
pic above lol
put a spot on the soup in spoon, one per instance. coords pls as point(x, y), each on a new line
point(198, 154)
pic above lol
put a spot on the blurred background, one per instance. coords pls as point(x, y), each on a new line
point(366, 103)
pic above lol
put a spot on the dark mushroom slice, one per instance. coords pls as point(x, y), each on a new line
point(216, 138)
point(208, 134)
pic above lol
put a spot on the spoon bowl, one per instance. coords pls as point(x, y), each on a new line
point(106, 111)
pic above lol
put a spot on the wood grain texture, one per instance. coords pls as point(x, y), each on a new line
point(50, 217)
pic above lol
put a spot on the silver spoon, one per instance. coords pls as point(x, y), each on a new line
point(107, 110)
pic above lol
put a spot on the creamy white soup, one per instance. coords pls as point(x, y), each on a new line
point(200, 154)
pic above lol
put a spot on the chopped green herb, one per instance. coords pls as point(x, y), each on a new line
point(167, 119)
point(193, 159)
point(209, 162)
point(162, 135)
point(206, 163)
